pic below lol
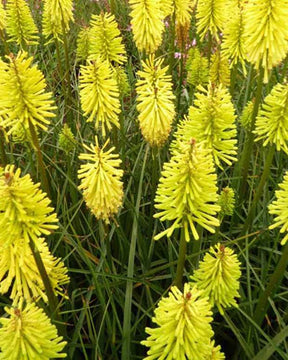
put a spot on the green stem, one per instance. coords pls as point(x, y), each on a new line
point(2, 148)
point(67, 81)
point(40, 161)
point(52, 299)
point(277, 276)
point(248, 147)
point(2, 37)
point(259, 191)
point(129, 287)
point(59, 64)
point(181, 260)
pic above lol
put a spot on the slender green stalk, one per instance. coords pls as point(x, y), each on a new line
point(52, 298)
point(67, 81)
point(6, 47)
point(259, 191)
point(129, 287)
point(40, 161)
point(181, 260)
point(277, 276)
point(248, 147)
point(59, 63)
point(2, 150)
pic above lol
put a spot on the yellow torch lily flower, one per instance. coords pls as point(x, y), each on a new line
point(105, 39)
point(23, 99)
point(100, 94)
point(184, 329)
point(187, 192)
point(279, 209)
point(24, 209)
point(155, 101)
point(101, 181)
point(147, 24)
point(28, 334)
point(20, 25)
point(266, 33)
point(218, 276)
point(57, 15)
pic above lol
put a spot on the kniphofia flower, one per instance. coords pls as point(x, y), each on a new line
point(105, 39)
point(279, 209)
point(197, 68)
point(266, 33)
point(83, 43)
point(66, 139)
point(219, 70)
point(25, 211)
point(218, 276)
point(155, 101)
point(23, 99)
point(184, 329)
point(211, 16)
point(147, 24)
point(101, 180)
point(272, 119)
point(227, 201)
point(122, 81)
point(233, 44)
point(20, 25)
point(212, 120)
point(28, 334)
point(183, 11)
point(99, 94)
point(187, 191)
point(19, 272)
point(57, 15)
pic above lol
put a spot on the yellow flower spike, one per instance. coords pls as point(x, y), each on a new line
point(233, 44)
point(99, 94)
point(218, 276)
point(212, 120)
point(24, 209)
point(197, 68)
point(19, 272)
point(266, 33)
point(184, 329)
point(147, 24)
point(219, 70)
point(272, 120)
point(211, 16)
point(2, 17)
point(66, 139)
point(22, 95)
point(155, 101)
point(57, 15)
point(83, 43)
point(106, 40)
point(122, 81)
point(28, 334)
point(20, 25)
point(227, 201)
point(167, 7)
point(183, 11)
point(187, 191)
point(101, 181)
point(279, 209)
